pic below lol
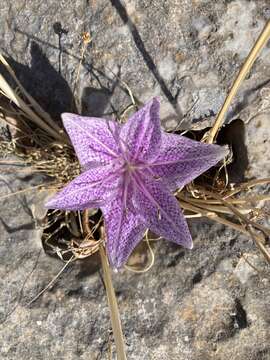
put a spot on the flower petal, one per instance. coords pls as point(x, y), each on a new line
point(142, 133)
point(181, 160)
point(94, 139)
point(124, 230)
point(89, 190)
point(160, 210)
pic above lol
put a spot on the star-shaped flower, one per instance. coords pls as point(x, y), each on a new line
point(130, 172)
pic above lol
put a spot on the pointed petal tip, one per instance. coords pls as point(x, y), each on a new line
point(116, 259)
point(221, 151)
point(115, 264)
point(116, 267)
point(187, 244)
point(224, 150)
point(187, 241)
point(53, 203)
point(155, 101)
point(67, 117)
point(50, 204)
point(190, 246)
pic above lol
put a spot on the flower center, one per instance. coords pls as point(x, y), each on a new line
point(130, 168)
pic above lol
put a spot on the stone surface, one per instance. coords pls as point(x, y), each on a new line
point(189, 54)
point(202, 304)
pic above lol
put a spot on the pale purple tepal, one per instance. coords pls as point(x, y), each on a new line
point(129, 173)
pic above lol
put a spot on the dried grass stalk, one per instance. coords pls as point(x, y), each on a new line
point(260, 43)
point(20, 97)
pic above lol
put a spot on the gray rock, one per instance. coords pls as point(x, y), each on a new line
point(187, 54)
point(200, 304)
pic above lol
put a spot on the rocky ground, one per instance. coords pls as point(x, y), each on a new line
point(203, 304)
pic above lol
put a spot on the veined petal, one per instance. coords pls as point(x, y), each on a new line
point(142, 133)
point(181, 160)
point(94, 139)
point(124, 230)
point(160, 210)
point(89, 190)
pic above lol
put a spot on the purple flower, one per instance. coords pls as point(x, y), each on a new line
point(129, 172)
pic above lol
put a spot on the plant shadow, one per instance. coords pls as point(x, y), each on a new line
point(48, 86)
point(44, 83)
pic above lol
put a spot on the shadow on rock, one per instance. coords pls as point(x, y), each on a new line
point(44, 83)
point(122, 12)
point(95, 102)
point(234, 135)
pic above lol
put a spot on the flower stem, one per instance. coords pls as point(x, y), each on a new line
point(112, 302)
point(261, 41)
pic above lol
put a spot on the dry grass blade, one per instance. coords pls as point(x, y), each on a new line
point(260, 245)
point(238, 213)
point(52, 282)
point(114, 312)
point(242, 200)
point(42, 113)
point(213, 216)
point(39, 117)
point(18, 101)
point(260, 43)
point(246, 186)
point(86, 38)
point(41, 187)
point(213, 205)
